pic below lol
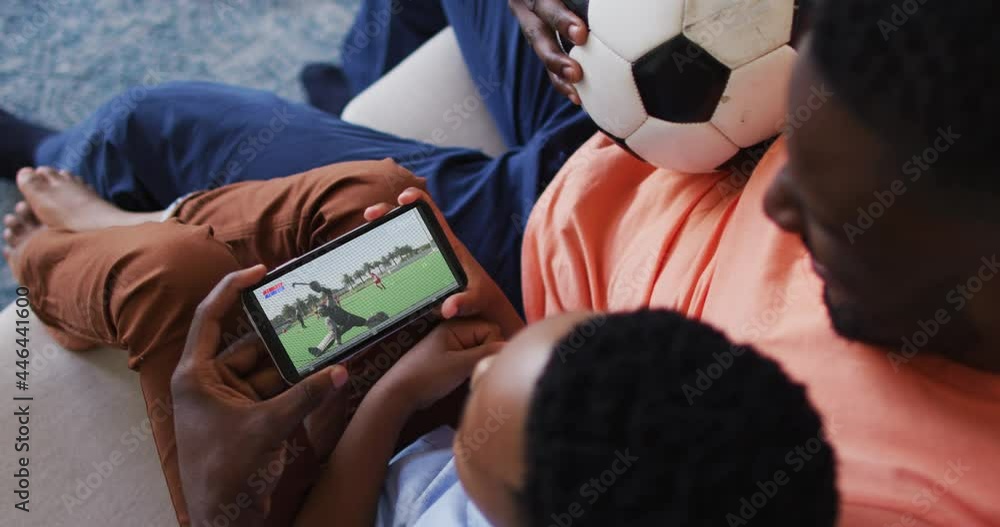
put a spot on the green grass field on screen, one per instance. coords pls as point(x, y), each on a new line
point(405, 287)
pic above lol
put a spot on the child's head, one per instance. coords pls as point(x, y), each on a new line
point(640, 419)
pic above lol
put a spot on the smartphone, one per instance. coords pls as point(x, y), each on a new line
point(343, 297)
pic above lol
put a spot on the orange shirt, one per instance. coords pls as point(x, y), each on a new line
point(917, 443)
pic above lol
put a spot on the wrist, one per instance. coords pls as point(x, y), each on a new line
point(393, 403)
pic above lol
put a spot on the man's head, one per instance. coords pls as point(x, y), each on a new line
point(607, 420)
point(315, 286)
point(889, 180)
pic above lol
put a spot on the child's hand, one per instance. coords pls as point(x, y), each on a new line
point(482, 297)
point(440, 363)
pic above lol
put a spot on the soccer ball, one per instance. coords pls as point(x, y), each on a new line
point(684, 84)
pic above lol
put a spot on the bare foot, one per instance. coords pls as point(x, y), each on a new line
point(61, 200)
point(19, 227)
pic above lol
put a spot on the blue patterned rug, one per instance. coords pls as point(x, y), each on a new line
point(60, 59)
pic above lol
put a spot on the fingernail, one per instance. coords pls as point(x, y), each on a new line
point(567, 72)
point(339, 376)
point(574, 33)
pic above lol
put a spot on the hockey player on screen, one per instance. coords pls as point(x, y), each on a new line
point(338, 319)
point(300, 311)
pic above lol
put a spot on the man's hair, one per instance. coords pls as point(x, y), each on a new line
point(913, 69)
point(653, 419)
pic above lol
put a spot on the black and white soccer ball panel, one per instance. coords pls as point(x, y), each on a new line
point(738, 31)
point(686, 83)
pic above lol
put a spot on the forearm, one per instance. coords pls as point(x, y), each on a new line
point(348, 491)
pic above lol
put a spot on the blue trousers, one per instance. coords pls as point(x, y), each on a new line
point(150, 145)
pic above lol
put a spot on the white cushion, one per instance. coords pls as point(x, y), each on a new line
point(92, 457)
point(431, 97)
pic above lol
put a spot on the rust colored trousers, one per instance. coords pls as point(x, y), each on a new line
point(137, 287)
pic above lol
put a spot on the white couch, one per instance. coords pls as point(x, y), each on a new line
point(92, 460)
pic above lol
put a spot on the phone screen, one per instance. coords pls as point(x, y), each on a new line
point(342, 297)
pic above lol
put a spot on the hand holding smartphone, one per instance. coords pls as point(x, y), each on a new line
point(339, 299)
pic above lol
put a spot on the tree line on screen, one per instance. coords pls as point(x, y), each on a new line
point(360, 277)
point(382, 265)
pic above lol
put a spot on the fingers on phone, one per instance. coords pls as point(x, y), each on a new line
point(242, 357)
point(376, 211)
point(413, 194)
point(267, 382)
point(460, 305)
point(227, 291)
point(407, 196)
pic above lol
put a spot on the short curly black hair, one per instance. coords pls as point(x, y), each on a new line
point(912, 70)
point(652, 419)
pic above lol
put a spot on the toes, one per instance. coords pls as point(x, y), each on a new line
point(66, 174)
point(13, 226)
point(25, 214)
point(8, 236)
point(31, 180)
point(48, 171)
point(25, 175)
point(74, 178)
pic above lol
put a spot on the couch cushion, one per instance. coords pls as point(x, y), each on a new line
point(92, 457)
point(447, 110)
